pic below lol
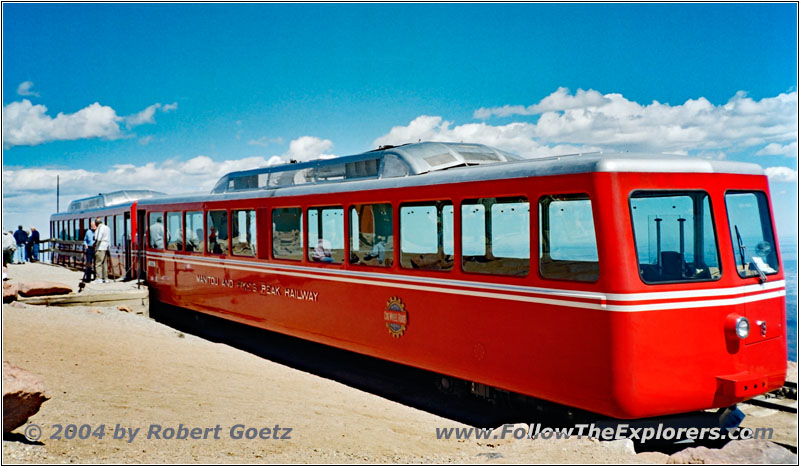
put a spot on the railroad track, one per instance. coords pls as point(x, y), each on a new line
point(783, 399)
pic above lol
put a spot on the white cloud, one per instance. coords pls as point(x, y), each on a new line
point(516, 137)
point(589, 120)
point(26, 124)
point(29, 194)
point(148, 114)
point(781, 174)
point(145, 140)
point(775, 149)
point(24, 89)
point(559, 100)
point(307, 148)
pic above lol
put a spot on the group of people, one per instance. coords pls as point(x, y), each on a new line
point(21, 247)
point(97, 242)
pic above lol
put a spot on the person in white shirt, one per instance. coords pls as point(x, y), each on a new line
point(102, 241)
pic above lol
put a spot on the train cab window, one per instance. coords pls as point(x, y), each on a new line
point(174, 231)
point(751, 233)
point(243, 237)
point(567, 242)
point(495, 236)
point(326, 235)
point(675, 236)
point(119, 230)
point(371, 235)
point(194, 231)
point(426, 236)
point(155, 231)
point(217, 232)
point(287, 233)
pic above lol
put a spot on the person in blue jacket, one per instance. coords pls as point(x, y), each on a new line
point(22, 238)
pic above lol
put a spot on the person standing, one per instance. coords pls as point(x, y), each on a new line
point(21, 238)
point(102, 242)
point(9, 247)
point(88, 242)
point(33, 242)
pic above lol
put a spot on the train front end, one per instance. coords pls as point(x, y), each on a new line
point(701, 323)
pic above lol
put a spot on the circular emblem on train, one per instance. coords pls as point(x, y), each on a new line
point(396, 317)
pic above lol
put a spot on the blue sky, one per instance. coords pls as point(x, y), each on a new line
point(178, 94)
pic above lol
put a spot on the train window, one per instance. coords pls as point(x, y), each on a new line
point(326, 235)
point(426, 236)
point(243, 240)
point(217, 232)
point(174, 231)
point(371, 235)
point(751, 233)
point(194, 231)
point(119, 230)
point(675, 237)
point(156, 230)
point(495, 236)
point(393, 166)
point(287, 233)
point(567, 242)
point(76, 229)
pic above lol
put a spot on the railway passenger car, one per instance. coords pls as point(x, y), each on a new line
point(626, 285)
point(117, 209)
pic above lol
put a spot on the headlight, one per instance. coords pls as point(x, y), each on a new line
point(742, 327)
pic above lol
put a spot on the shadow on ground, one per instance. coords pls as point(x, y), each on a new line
point(406, 385)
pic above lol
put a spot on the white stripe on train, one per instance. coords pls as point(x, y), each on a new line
point(323, 274)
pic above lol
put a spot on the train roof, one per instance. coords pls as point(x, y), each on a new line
point(511, 167)
point(105, 200)
point(384, 162)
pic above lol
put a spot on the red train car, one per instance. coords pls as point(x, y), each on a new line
point(626, 285)
point(118, 211)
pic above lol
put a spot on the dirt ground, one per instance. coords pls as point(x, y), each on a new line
point(105, 367)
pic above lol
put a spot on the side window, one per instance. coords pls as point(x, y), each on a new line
point(567, 241)
point(243, 241)
point(326, 235)
point(751, 233)
point(495, 236)
point(156, 230)
point(371, 235)
point(174, 231)
point(217, 232)
point(674, 234)
point(287, 233)
point(119, 230)
point(426, 236)
point(194, 231)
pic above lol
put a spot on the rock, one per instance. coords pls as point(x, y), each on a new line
point(9, 292)
point(38, 288)
point(751, 451)
point(124, 308)
point(622, 447)
point(23, 394)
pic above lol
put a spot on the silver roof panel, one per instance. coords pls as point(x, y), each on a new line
point(559, 165)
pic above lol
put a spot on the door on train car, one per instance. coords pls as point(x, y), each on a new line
point(141, 265)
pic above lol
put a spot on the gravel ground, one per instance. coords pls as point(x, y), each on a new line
point(106, 367)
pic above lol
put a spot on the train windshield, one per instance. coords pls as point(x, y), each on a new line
point(751, 234)
point(675, 236)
